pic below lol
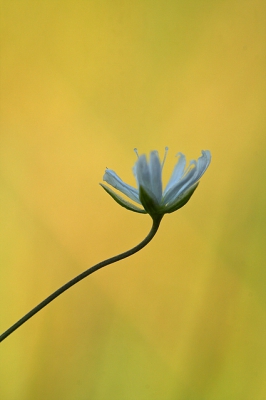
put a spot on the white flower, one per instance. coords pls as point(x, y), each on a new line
point(149, 192)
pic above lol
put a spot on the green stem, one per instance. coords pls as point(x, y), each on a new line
point(72, 282)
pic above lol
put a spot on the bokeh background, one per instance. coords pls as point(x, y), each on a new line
point(82, 84)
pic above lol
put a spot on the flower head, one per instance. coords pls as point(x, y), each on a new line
point(149, 192)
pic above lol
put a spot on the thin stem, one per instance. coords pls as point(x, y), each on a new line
point(72, 282)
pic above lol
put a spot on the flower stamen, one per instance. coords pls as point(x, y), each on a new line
point(136, 151)
point(165, 154)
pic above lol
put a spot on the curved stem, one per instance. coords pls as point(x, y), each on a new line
point(78, 278)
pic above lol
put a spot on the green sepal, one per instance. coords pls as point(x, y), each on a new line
point(180, 202)
point(121, 201)
point(151, 206)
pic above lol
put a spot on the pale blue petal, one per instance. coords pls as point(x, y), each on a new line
point(156, 175)
point(179, 187)
point(177, 174)
point(143, 172)
point(191, 177)
point(113, 179)
point(203, 163)
point(144, 176)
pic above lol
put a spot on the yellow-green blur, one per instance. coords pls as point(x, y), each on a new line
point(82, 83)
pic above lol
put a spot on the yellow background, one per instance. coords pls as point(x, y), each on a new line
point(82, 84)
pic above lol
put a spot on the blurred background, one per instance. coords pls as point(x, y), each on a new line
point(82, 84)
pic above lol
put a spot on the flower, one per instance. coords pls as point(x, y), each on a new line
point(149, 192)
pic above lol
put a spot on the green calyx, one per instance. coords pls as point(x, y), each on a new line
point(182, 200)
point(121, 201)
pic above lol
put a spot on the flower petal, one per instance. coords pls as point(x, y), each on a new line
point(190, 178)
point(142, 172)
point(177, 174)
point(203, 163)
point(113, 179)
point(180, 186)
point(156, 175)
point(144, 176)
